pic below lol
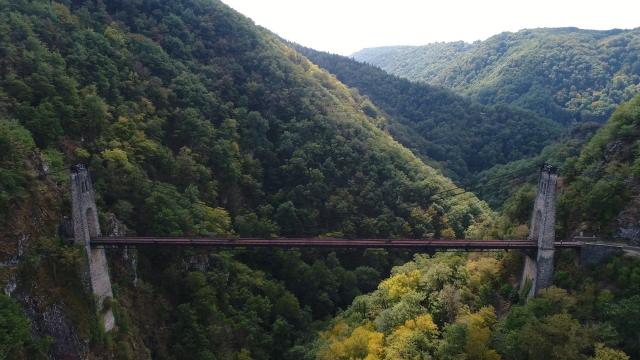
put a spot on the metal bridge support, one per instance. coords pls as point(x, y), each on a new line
point(85, 226)
point(538, 267)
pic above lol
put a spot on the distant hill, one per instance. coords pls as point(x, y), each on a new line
point(564, 73)
point(421, 63)
point(461, 135)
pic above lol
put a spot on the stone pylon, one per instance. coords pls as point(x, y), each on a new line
point(538, 267)
point(86, 225)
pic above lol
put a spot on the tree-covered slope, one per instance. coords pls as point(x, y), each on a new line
point(191, 101)
point(599, 187)
point(192, 121)
point(462, 136)
point(496, 184)
point(420, 63)
point(603, 182)
point(454, 307)
point(566, 73)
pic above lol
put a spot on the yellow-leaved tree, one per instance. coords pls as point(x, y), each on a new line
point(415, 339)
point(400, 284)
point(363, 343)
point(470, 337)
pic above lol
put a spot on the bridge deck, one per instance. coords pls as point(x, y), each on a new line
point(435, 244)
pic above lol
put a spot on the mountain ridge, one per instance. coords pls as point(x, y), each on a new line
point(567, 74)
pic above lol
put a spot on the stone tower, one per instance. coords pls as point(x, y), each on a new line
point(85, 225)
point(538, 267)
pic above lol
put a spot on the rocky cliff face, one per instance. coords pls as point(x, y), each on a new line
point(627, 223)
point(50, 320)
point(38, 273)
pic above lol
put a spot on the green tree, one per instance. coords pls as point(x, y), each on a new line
point(15, 328)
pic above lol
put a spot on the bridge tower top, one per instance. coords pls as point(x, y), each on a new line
point(84, 211)
point(544, 209)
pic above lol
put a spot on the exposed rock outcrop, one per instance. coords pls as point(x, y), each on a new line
point(49, 320)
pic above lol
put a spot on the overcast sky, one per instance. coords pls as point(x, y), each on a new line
point(345, 26)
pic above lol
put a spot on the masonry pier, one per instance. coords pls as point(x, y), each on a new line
point(538, 267)
point(85, 226)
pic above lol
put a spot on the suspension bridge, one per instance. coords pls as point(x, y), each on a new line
point(539, 249)
point(426, 245)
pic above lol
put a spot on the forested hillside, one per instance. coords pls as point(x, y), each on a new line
point(456, 307)
point(603, 181)
point(499, 182)
point(460, 135)
point(599, 189)
point(192, 121)
point(468, 307)
point(421, 63)
point(566, 74)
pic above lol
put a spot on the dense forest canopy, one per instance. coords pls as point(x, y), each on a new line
point(419, 63)
point(454, 307)
point(459, 135)
point(191, 110)
point(566, 74)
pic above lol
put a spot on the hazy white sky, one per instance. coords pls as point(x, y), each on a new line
point(345, 26)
